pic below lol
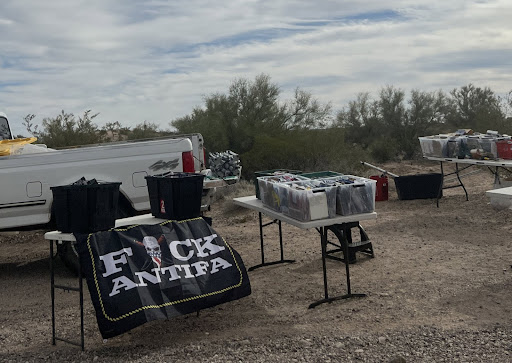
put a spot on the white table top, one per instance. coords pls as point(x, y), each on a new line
point(130, 221)
point(253, 203)
point(500, 192)
point(500, 162)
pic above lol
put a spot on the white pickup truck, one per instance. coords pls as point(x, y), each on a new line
point(25, 179)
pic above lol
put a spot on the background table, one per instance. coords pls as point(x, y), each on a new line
point(492, 165)
point(251, 202)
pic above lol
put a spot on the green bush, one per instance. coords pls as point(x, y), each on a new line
point(306, 150)
point(383, 150)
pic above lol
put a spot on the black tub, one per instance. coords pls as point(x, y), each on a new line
point(420, 186)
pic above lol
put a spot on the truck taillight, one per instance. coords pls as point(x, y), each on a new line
point(188, 162)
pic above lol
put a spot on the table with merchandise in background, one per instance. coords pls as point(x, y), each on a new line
point(493, 165)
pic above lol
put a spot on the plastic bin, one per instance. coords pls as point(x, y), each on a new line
point(472, 142)
point(269, 192)
point(271, 189)
point(321, 174)
point(421, 186)
point(456, 147)
point(488, 145)
point(271, 172)
point(426, 145)
point(307, 201)
point(434, 146)
point(355, 195)
point(176, 195)
point(85, 208)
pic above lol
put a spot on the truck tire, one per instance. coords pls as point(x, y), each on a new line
point(69, 256)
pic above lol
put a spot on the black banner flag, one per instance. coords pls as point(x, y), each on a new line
point(147, 272)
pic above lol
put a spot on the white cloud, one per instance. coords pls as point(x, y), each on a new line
point(155, 60)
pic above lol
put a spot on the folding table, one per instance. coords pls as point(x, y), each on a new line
point(60, 237)
point(492, 165)
point(322, 226)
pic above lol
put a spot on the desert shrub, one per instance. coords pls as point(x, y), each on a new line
point(383, 150)
point(306, 150)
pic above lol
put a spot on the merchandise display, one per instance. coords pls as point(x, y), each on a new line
point(464, 144)
point(271, 188)
point(307, 199)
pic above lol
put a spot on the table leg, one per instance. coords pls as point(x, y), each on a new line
point(282, 260)
point(79, 289)
point(347, 267)
point(349, 294)
point(323, 237)
point(497, 179)
point(261, 240)
point(52, 285)
point(281, 239)
point(441, 186)
point(460, 181)
point(457, 176)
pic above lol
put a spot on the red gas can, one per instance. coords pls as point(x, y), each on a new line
point(382, 187)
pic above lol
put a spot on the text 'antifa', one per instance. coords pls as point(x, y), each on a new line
point(182, 251)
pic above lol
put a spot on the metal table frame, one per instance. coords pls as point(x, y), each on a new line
point(492, 165)
point(53, 237)
point(60, 237)
point(321, 225)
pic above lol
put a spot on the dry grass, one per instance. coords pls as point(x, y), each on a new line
point(226, 194)
point(241, 189)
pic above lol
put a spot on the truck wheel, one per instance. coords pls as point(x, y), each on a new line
point(69, 256)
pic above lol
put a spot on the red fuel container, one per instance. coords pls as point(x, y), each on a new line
point(381, 192)
point(504, 149)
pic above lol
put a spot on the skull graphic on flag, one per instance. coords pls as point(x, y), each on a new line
point(153, 250)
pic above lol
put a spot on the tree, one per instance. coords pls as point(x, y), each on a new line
point(145, 130)
point(360, 120)
point(392, 109)
point(251, 108)
point(305, 112)
point(427, 111)
point(476, 108)
point(65, 130)
point(114, 131)
point(426, 115)
point(390, 126)
point(29, 125)
point(377, 125)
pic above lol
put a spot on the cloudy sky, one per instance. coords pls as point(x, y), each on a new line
point(154, 60)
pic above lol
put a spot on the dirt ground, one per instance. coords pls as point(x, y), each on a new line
point(438, 289)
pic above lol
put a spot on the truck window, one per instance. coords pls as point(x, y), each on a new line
point(5, 134)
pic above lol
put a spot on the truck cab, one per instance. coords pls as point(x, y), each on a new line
point(5, 129)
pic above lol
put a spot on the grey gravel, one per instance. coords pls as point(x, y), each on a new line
point(425, 344)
